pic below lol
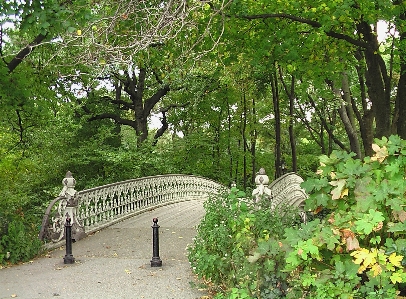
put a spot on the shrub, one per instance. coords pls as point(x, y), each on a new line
point(20, 243)
point(357, 251)
point(237, 247)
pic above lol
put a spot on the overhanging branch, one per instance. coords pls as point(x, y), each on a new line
point(312, 23)
point(115, 117)
point(24, 53)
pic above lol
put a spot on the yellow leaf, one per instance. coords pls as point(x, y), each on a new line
point(395, 259)
point(365, 258)
point(396, 277)
point(376, 269)
point(79, 32)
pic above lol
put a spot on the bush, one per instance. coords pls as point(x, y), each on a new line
point(237, 247)
point(356, 250)
point(20, 243)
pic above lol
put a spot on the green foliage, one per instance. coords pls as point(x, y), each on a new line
point(357, 250)
point(20, 242)
point(237, 250)
point(360, 245)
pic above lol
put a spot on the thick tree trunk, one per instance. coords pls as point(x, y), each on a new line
point(377, 81)
point(401, 99)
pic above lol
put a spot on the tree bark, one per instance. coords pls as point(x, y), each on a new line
point(347, 117)
point(401, 93)
point(275, 101)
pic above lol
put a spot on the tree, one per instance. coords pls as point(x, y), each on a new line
point(344, 33)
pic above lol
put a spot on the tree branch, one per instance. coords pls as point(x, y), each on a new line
point(126, 105)
point(150, 103)
point(312, 23)
point(164, 122)
point(24, 53)
point(114, 117)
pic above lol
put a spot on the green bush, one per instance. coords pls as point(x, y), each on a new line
point(20, 243)
point(237, 248)
point(356, 250)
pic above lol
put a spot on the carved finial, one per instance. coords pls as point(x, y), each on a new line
point(68, 185)
point(261, 170)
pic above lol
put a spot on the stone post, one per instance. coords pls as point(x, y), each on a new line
point(261, 191)
point(71, 209)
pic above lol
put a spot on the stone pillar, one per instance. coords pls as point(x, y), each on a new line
point(71, 200)
point(261, 191)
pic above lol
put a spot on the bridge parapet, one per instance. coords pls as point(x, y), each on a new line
point(285, 191)
point(96, 208)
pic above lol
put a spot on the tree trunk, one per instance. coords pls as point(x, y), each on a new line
point(275, 100)
point(253, 143)
point(401, 93)
point(244, 140)
point(348, 119)
point(291, 95)
point(377, 82)
point(229, 141)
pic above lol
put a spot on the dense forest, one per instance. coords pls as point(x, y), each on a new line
point(119, 89)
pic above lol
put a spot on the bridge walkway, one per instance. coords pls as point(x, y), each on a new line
point(115, 262)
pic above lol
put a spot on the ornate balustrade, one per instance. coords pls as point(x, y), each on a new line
point(96, 208)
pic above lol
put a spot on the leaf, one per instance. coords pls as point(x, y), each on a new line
point(395, 259)
point(399, 215)
point(380, 153)
point(376, 269)
point(339, 191)
point(364, 256)
point(79, 32)
point(254, 258)
point(396, 278)
point(352, 243)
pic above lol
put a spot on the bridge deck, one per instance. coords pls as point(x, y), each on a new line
point(115, 262)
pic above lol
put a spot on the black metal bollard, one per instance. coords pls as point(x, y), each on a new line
point(156, 260)
point(68, 259)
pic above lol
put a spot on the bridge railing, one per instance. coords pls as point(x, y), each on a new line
point(96, 208)
point(284, 192)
